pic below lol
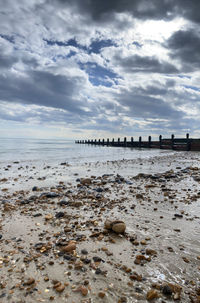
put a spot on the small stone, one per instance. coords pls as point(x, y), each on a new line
point(108, 224)
point(69, 248)
point(151, 252)
point(166, 290)
point(152, 294)
point(30, 281)
point(101, 294)
point(97, 259)
point(60, 214)
point(86, 181)
point(119, 228)
point(48, 217)
point(84, 291)
point(186, 260)
point(177, 296)
point(60, 288)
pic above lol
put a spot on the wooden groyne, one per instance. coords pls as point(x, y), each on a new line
point(163, 143)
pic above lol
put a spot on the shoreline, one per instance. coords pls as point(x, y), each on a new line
point(159, 203)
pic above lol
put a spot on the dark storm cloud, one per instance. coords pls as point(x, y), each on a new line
point(185, 46)
point(135, 64)
point(101, 10)
point(142, 9)
point(43, 88)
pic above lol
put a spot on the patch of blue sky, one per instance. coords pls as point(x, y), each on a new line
point(97, 45)
point(70, 42)
point(192, 87)
point(184, 77)
point(137, 44)
point(98, 75)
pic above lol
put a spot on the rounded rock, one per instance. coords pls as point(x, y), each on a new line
point(119, 228)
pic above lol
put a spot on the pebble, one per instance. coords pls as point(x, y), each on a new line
point(30, 281)
point(84, 291)
point(69, 248)
point(60, 288)
point(59, 215)
point(119, 228)
point(101, 294)
point(166, 290)
point(152, 294)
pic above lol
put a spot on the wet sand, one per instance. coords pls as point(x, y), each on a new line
point(54, 245)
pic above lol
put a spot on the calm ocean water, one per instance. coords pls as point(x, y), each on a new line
point(54, 151)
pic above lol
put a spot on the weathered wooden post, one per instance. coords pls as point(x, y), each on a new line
point(149, 143)
point(107, 141)
point(140, 141)
point(113, 141)
point(92, 141)
point(172, 141)
point(99, 141)
point(188, 142)
point(160, 141)
point(118, 141)
point(88, 141)
point(125, 144)
point(131, 141)
point(95, 141)
point(103, 141)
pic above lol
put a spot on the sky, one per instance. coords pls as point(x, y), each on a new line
point(86, 69)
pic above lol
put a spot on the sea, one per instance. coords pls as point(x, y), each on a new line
point(61, 150)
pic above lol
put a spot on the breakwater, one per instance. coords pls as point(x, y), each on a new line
point(187, 143)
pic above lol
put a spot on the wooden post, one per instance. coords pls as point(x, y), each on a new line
point(107, 141)
point(92, 141)
point(88, 141)
point(99, 141)
point(172, 141)
point(131, 141)
point(125, 141)
point(95, 141)
point(160, 141)
point(140, 141)
point(113, 141)
point(103, 141)
point(118, 141)
point(149, 143)
point(188, 142)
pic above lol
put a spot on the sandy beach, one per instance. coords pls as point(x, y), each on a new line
point(113, 231)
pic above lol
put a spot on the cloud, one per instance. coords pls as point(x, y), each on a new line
point(43, 88)
point(143, 64)
point(111, 66)
point(184, 45)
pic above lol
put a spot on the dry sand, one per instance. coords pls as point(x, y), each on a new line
point(54, 246)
